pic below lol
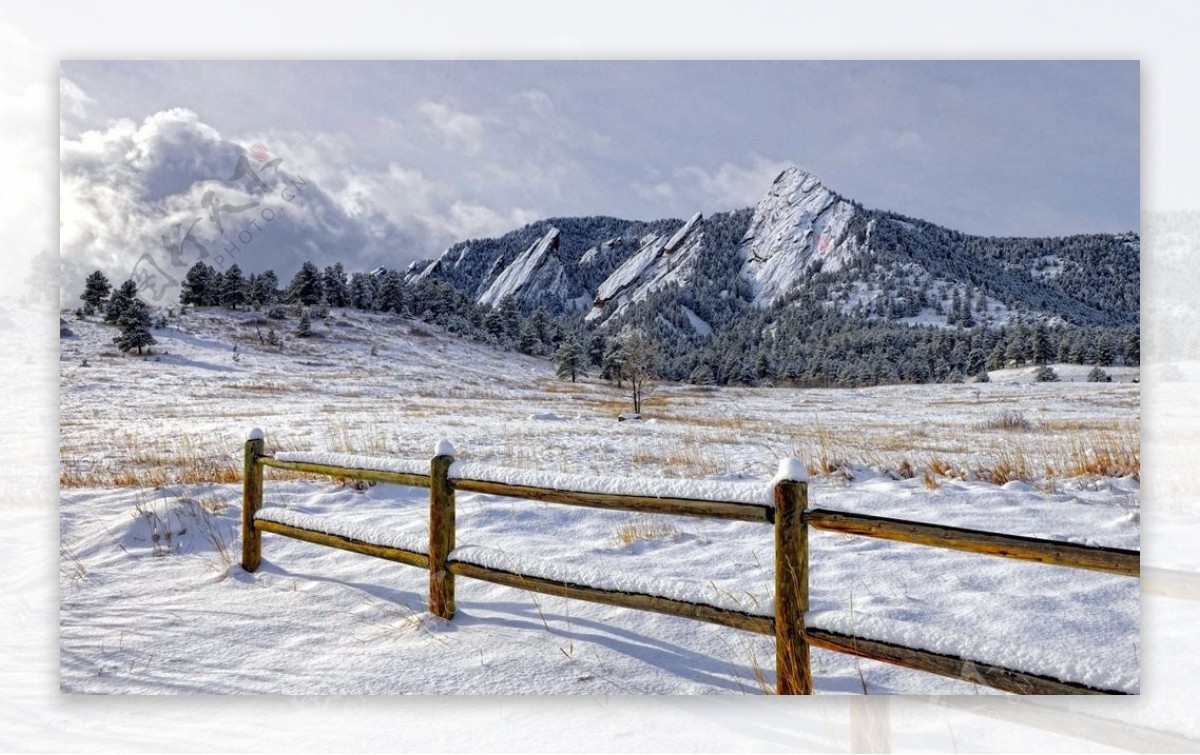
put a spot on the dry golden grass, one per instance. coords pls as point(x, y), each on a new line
point(940, 467)
point(644, 527)
point(562, 386)
point(1105, 455)
point(738, 423)
point(1010, 465)
point(1043, 452)
point(690, 454)
point(136, 462)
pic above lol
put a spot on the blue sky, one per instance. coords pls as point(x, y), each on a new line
point(405, 158)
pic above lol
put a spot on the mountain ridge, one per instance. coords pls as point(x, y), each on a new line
point(802, 237)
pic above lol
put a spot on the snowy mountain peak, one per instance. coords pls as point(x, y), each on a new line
point(537, 271)
point(793, 180)
point(797, 222)
point(702, 277)
point(659, 260)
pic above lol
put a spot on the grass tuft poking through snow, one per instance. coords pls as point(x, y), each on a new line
point(645, 528)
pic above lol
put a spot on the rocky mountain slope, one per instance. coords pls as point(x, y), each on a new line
point(804, 240)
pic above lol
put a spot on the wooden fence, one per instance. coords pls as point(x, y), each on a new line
point(790, 516)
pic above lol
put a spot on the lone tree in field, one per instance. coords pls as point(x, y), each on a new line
point(569, 360)
point(640, 367)
point(95, 290)
point(135, 327)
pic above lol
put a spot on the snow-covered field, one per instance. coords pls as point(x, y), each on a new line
point(152, 599)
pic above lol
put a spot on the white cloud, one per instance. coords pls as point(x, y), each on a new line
point(457, 128)
point(659, 191)
point(73, 103)
point(730, 186)
point(129, 193)
point(537, 101)
point(126, 187)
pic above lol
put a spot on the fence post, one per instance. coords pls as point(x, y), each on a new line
point(252, 498)
point(793, 674)
point(441, 532)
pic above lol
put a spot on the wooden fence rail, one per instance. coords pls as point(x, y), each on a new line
point(789, 516)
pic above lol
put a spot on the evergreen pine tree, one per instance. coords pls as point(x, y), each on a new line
point(612, 365)
point(265, 290)
point(954, 316)
point(527, 340)
point(95, 290)
point(975, 363)
point(306, 287)
point(995, 360)
point(363, 291)
point(762, 366)
point(233, 287)
point(595, 349)
point(1014, 352)
point(41, 282)
point(135, 327)
point(198, 285)
point(1046, 374)
point(1132, 348)
point(304, 327)
point(493, 325)
point(701, 374)
point(1039, 346)
point(120, 301)
point(337, 292)
point(391, 293)
point(543, 326)
point(1075, 352)
point(1063, 353)
point(511, 316)
point(569, 359)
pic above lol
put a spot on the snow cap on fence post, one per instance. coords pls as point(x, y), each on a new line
point(256, 434)
point(791, 470)
point(444, 448)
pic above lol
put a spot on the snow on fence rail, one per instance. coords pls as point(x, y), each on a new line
point(782, 504)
